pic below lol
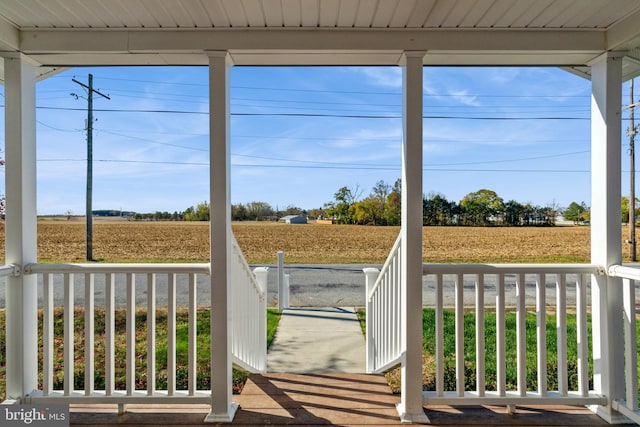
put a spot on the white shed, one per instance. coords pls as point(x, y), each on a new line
point(294, 219)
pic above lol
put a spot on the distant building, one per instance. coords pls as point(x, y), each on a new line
point(294, 219)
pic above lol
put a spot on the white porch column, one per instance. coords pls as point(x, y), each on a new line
point(223, 408)
point(410, 407)
point(606, 245)
point(20, 228)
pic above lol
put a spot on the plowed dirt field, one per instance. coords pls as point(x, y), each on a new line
point(64, 241)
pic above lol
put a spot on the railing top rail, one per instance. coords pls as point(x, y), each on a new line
point(245, 266)
point(192, 268)
point(511, 269)
point(385, 266)
point(625, 272)
point(9, 270)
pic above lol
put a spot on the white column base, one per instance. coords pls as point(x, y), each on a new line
point(418, 418)
point(609, 415)
point(223, 417)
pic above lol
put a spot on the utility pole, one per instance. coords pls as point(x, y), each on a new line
point(89, 209)
point(631, 131)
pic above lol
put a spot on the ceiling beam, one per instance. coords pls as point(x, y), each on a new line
point(9, 37)
point(625, 35)
point(285, 39)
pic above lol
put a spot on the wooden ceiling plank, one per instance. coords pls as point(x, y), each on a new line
point(464, 11)
point(611, 14)
point(328, 13)
point(477, 11)
point(402, 14)
point(561, 18)
point(366, 11)
point(273, 13)
point(384, 13)
point(347, 13)
point(439, 14)
point(138, 10)
point(291, 13)
point(160, 14)
point(61, 15)
point(217, 13)
point(495, 13)
point(586, 9)
point(420, 13)
point(249, 11)
point(515, 11)
point(184, 19)
point(198, 14)
point(547, 16)
point(525, 19)
point(309, 13)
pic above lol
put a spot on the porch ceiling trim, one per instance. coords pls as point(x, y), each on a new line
point(566, 33)
point(288, 46)
point(9, 36)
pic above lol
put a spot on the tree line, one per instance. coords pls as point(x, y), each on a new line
point(382, 206)
point(479, 208)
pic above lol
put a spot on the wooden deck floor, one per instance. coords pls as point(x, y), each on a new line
point(328, 399)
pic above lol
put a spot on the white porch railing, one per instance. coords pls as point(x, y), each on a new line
point(500, 281)
point(383, 313)
point(6, 271)
point(629, 407)
point(248, 322)
point(516, 277)
point(249, 313)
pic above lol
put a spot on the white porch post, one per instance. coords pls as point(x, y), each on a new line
point(410, 406)
point(608, 344)
point(223, 408)
point(21, 217)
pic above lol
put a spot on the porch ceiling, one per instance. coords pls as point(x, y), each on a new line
point(570, 33)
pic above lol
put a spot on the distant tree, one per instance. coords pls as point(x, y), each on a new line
point(437, 210)
point(344, 198)
point(366, 212)
point(552, 210)
point(513, 213)
point(481, 207)
point(576, 212)
point(316, 213)
point(199, 213)
point(393, 204)
point(259, 211)
point(625, 209)
point(239, 212)
point(292, 210)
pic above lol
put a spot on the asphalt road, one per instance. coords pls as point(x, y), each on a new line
point(310, 286)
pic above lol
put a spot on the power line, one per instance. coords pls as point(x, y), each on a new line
point(347, 116)
point(154, 141)
point(334, 166)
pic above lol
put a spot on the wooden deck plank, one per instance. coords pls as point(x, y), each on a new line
point(328, 399)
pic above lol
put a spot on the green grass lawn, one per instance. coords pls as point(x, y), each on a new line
point(161, 335)
point(429, 351)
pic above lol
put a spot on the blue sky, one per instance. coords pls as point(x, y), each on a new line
point(300, 133)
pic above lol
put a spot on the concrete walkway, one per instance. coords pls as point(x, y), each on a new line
point(318, 340)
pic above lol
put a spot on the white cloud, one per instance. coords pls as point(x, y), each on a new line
point(390, 77)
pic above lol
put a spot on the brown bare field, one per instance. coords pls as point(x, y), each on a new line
point(64, 241)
